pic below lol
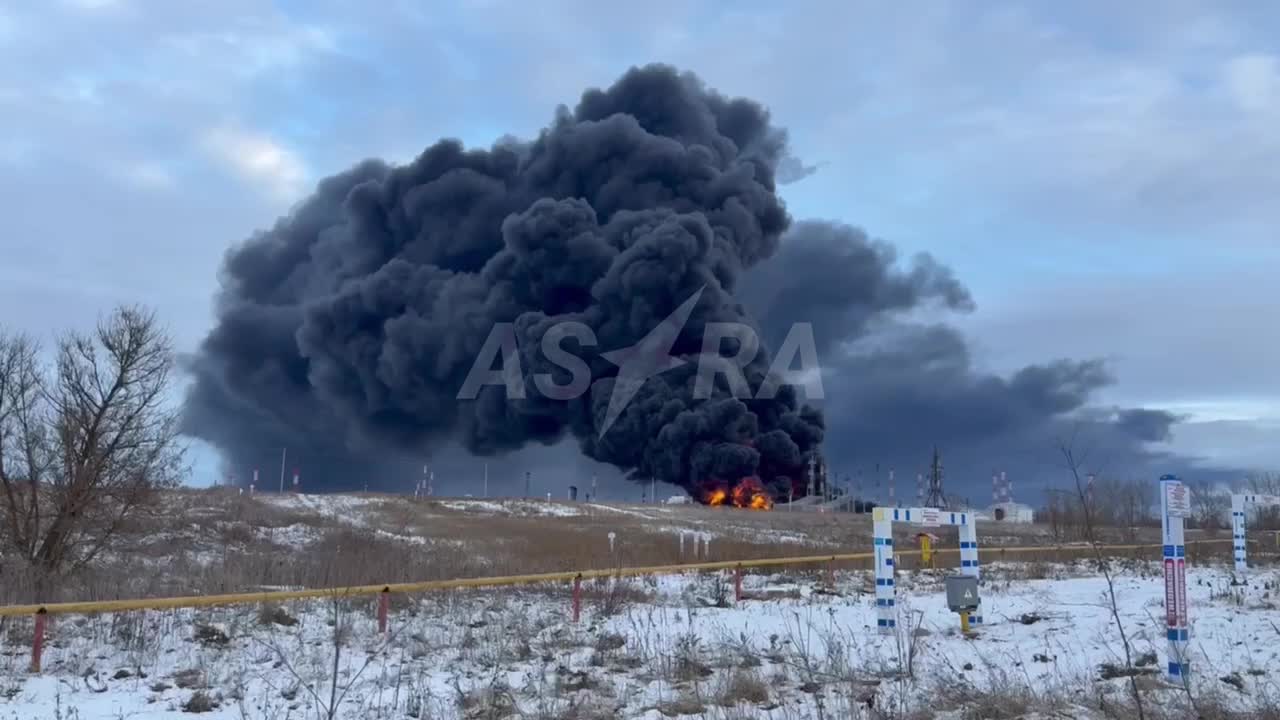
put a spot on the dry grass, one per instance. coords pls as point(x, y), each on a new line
point(216, 541)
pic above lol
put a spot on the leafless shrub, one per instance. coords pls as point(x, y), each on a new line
point(743, 686)
point(201, 702)
point(85, 444)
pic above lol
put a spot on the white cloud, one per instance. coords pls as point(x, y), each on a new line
point(1254, 82)
point(92, 4)
point(147, 175)
point(259, 159)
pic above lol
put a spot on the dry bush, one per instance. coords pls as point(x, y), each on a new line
point(743, 686)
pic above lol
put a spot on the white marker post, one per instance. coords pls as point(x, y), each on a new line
point(883, 519)
point(1175, 506)
point(1239, 506)
point(612, 537)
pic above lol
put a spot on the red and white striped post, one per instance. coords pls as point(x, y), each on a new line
point(384, 609)
point(37, 642)
point(577, 597)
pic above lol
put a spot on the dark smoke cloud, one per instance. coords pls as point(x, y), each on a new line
point(896, 387)
point(346, 331)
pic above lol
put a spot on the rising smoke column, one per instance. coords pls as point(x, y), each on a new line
point(346, 330)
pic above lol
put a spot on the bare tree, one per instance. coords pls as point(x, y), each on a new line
point(1265, 483)
point(1209, 505)
point(84, 440)
point(1074, 465)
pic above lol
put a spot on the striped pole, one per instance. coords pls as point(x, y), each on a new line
point(1175, 582)
point(882, 529)
point(1237, 533)
point(969, 558)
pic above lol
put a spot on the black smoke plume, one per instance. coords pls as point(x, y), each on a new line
point(898, 385)
point(347, 330)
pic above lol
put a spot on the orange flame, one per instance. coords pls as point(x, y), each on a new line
point(748, 493)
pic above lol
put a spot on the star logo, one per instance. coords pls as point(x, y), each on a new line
point(647, 358)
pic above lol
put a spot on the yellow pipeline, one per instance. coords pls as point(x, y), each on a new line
point(195, 601)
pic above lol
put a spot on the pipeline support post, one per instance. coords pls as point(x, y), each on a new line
point(384, 609)
point(37, 641)
point(577, 597)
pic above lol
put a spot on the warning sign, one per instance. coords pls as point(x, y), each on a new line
point(1182, 593)
point(931, 517)
point(1170, 593)
point(1178, 499)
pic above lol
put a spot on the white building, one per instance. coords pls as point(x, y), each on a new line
point(1011, 512)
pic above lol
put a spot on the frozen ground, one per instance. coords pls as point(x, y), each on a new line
point(655, 648)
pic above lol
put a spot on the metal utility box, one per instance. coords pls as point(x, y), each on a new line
point(962, 593)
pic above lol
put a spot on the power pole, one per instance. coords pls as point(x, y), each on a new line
point(528, 477)
point(486, 480)
point(283, 452)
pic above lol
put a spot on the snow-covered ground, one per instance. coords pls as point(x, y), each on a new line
point(651, 648)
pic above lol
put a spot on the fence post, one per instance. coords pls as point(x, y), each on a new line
point(384, 607)
point(1239, 548)
point(37, 642)
point(737, 584)
point(577, 597)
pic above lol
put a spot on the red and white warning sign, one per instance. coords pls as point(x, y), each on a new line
point(1179, 499)
point(1170, 593)
point(1182, 592)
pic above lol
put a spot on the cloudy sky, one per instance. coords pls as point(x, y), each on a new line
point(1103, 177)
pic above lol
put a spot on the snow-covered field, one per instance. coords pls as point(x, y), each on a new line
point(659, 647)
